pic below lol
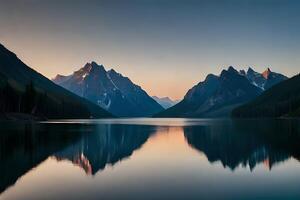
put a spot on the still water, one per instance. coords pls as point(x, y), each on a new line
point(150, 159)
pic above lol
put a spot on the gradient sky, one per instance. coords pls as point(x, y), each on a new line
point(166, 46)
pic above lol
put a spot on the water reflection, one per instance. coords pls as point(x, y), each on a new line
point(247, 143)
point(24, 146)
point(92, 147)
point(107, 144)
point(161, 156)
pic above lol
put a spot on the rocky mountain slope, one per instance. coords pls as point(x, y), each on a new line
point(217, 96)
point(109, 90)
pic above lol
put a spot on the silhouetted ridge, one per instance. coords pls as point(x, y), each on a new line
point(281, 100)
point(25, 91)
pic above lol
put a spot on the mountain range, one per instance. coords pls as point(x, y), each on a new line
point(248, 93)
point(109, 90)
point(165, 102)
point(23, 90)
point(217, 96)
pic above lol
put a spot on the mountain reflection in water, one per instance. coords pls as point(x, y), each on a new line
point(247, 142)
point(91, 147)
point(236, 144)
point(110, 144)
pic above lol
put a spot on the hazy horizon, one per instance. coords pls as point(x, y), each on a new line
point(164, 46)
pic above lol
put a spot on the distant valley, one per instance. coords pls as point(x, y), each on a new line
point(165, 102)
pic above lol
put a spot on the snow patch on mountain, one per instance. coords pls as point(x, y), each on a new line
point(110, 90)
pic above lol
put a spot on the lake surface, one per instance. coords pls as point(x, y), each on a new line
point(150, 159)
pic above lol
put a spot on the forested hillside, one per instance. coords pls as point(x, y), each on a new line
point(282, 99)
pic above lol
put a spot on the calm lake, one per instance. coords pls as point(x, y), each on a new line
point(150, 159)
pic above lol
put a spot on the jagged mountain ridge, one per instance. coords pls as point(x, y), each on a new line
point(264, 80)
point(217, 96)
point(109, 90)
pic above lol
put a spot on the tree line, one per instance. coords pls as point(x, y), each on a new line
point(36, 103)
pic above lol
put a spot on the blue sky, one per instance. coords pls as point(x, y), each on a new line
point(165, 46)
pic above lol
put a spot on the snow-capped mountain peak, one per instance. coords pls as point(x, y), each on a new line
point(110, 90)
